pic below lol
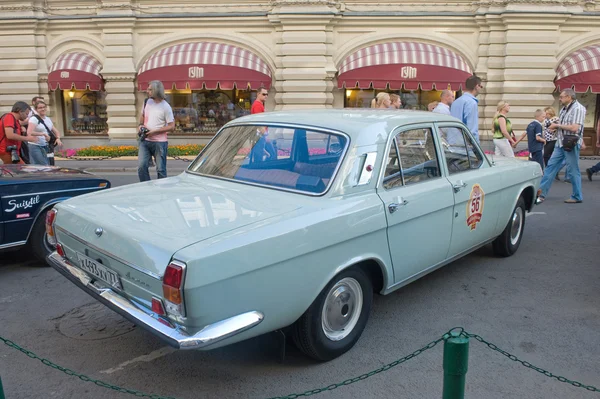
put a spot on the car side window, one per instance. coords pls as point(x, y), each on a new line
point(412, 158)
point(460, 152)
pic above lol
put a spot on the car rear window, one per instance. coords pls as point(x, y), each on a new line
point(281, 157)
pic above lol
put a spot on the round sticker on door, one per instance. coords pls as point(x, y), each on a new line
point(475, 206)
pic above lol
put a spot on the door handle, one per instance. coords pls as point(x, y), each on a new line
point(394, 206)
point(459, 185)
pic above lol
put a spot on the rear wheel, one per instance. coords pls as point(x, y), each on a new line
point(336, 319)
point(507, 243)
point(38, 240)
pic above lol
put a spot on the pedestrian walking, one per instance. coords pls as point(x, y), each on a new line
point(446, 100)
point(11, 138)
point(465, 108)
point(258, 105)
point(535, 138)
point(156, 122)
point(41, 127)
point(504, 138)
point(382, 101)
point(596, 168)
point(396, 101)
point(568, 144)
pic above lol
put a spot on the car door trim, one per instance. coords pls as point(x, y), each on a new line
point(13, 244)
point(433, 268)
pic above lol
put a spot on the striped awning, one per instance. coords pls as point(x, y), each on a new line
point(78, 71)
point(410, 65)
point(580, 70)
point(205, 65)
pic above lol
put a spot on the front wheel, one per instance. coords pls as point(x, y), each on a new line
point(38, 240)
point(507, 243)
point(336, 319)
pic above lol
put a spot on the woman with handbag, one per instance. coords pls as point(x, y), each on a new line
point(41, 126)
point(504, 138)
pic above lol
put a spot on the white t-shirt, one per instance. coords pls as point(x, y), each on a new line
point(157, 115)
point(39, 128)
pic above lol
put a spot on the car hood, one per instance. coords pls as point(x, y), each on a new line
point(146, 223)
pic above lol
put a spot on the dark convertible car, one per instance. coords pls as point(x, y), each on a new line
point(27, 192)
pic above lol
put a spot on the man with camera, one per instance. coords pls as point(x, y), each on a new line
point(10, 133)
point(156, 122)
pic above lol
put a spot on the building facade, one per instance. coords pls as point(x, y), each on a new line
point(94, 58)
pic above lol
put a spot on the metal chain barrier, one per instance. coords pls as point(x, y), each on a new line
point(331, 387)
point(527, 364)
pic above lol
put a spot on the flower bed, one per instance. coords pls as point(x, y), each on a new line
point(522, 153)
point(125, 150)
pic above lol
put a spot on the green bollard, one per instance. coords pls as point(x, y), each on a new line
point(456, 362)
point(1, 390)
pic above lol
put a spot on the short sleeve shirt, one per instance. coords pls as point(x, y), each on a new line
point(157, 115)
point(9, 120)
point(39, 128)
point(573, 113)
point(534, 129)
point(257, 107)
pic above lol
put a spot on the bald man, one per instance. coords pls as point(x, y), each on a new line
point(446, 99)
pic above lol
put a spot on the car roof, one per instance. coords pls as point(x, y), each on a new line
point(352, 121)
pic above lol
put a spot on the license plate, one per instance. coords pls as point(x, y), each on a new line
point(102, 272)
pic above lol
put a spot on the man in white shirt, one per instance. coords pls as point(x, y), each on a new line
point(453, 136)
point(157, 117)
point(446, 99)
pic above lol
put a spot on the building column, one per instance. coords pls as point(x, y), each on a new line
point(305, 68)
point(119, 73)
point(519, 57)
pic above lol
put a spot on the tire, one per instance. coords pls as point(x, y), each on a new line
point(38, 241)
point(331, 325)
point(507, 243)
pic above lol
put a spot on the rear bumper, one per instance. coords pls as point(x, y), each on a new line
point(145, 318)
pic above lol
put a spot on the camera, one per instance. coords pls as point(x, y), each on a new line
point(142, 133)
point(14, 155)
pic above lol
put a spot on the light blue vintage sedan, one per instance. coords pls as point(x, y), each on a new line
point(292, 219)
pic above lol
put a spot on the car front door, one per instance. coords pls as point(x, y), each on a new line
point(418, 202)
point(477, 194)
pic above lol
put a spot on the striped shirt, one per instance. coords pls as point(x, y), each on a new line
point(574, 113)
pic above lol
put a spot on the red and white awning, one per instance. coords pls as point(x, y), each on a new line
point(205, 64)
point(80, 71)
point(410, 65)
point(580, 70)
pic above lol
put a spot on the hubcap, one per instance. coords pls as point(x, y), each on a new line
point(517, 226)
point(342, 309)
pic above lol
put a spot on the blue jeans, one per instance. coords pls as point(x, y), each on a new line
point(555, 164)
point(159, 151)
point(38, 155)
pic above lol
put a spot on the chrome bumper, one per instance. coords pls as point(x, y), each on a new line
point(145, 318)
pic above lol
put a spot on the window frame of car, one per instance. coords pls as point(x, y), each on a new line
point(282, 125)
point(390, 141)
point(448, 124)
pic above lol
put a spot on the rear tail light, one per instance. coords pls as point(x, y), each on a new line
point(50, 216)
point(60, 250)
point(157, 307)
point(173, 288)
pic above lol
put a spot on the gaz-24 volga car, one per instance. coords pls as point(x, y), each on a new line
point(293, 219)
point(27, 192)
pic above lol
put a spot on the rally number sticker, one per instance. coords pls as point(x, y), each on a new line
point(475, 206)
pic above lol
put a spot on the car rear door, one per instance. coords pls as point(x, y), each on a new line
point(418, 201)
point(477, 191)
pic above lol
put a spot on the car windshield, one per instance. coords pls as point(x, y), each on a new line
point(283, 157)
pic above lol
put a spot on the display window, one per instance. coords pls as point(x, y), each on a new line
point(206, 111)
point(411, 99)
point(84, 112)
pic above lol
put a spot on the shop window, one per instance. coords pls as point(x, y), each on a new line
point(411, 99)
point(588, 100)
point(84, 112)
point(206, 111)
